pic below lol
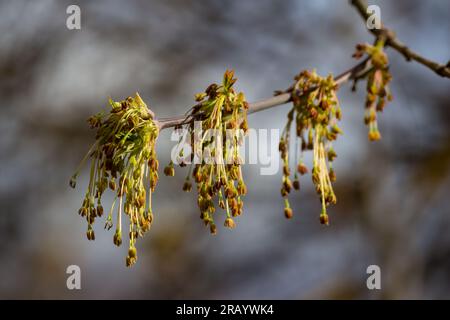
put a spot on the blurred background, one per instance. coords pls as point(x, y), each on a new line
point(393, 202)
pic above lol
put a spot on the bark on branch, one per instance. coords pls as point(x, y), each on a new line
point(353, 73)
point(393, 42)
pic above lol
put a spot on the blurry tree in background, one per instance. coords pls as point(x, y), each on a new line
point(393, 202)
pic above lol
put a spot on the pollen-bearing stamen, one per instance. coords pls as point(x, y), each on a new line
point(378, 78)
point(222, 113)
point(123, 159)
point(315, 112)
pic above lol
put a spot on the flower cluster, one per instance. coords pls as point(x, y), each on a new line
point(123, 159)
point(315, 111)
point(378, 79)
point(216, 161)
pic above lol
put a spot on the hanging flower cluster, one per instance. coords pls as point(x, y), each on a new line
point(216, 161)
point(378, 78)
point(123, 159)
point(315, 112)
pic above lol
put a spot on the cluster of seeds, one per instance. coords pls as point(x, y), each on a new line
point(123, 159)
point(215, 160)
point(378, 79)
point(315, 111)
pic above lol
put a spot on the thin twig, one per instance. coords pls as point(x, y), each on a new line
point(393, 42)
point(280, 99)
point(353, 73)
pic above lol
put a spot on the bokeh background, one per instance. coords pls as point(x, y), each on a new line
point(393, 195)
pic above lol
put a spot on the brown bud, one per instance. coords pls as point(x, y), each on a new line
point(112, 184)
point(331, 135)
point(153, 180)
point(324, 104)
point(140, 201)
point(324, 219)
point(212, 228)
point(130, 261)
point(244, 125)
point(330, 199)
point(187, 186)
point(211, 90)
point(73, 181)
point(338, 114)
point(302, 169)
point(287, 185)
point(288, 213)
point(229, 223)
point(332, 175)
point(336, 129)
point(241, 188)
point(99, 210)
point(235, 211)
point(380, 105)
point(169, 170)
point(132, 252)
point(282, 146)
point(133, 234)
point(198, 176)
point(83, 211)
point(240, 205)
point(331, 154)
point(90, 234)
point(304, 146)
point(153, 164)
point(150, 217)
point(117, 238)
point(144, 224)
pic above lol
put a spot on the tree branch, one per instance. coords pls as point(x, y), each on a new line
point(353, 73)
point(280, 99)
point(393, 42)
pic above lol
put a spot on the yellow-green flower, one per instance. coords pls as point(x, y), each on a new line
point(221, 109)
point(123, 158)
point(315, 113)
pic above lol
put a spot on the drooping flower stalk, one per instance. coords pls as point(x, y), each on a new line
point(378, 79)
point(315, 111)
point(123, 159)
point(215, 160)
